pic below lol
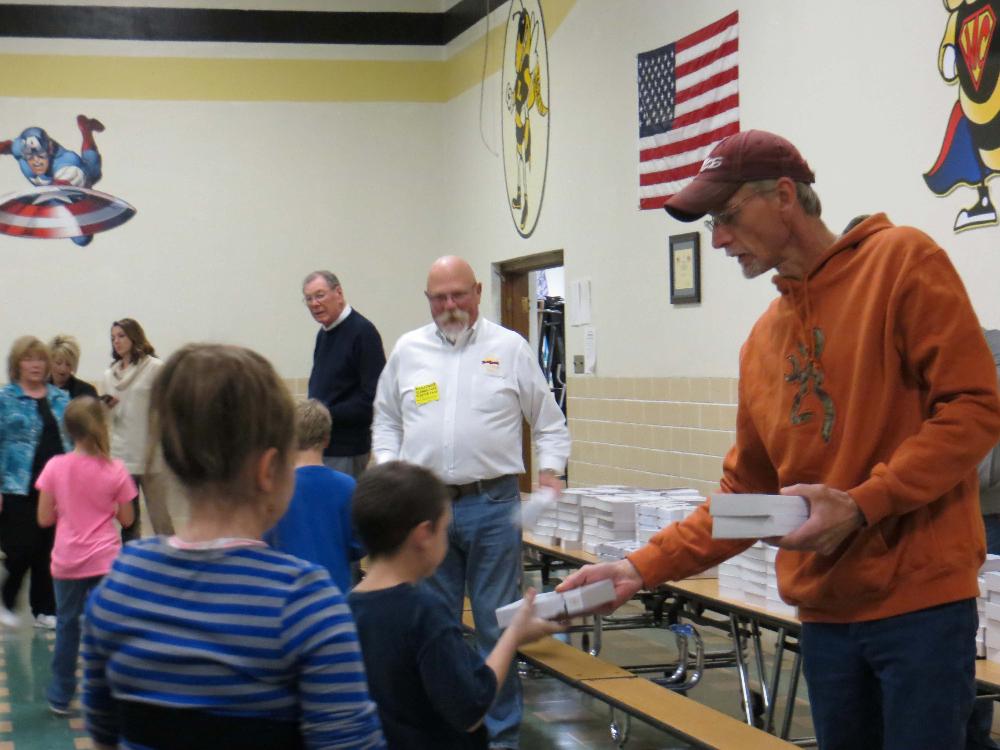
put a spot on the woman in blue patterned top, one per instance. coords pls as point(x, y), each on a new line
point(211, 639)
point(31, 433)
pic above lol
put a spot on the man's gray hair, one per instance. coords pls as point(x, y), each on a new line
point(803, 191)
point(329, 277)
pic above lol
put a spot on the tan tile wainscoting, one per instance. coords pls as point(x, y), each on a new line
point(650, 432)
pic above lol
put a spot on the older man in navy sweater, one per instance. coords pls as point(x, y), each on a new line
point(347, 361)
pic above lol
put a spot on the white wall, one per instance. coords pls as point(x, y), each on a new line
point(237, 201)
point(854, 85)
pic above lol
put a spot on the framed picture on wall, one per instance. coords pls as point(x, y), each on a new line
point(685, 268)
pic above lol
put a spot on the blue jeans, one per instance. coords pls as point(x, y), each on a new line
point(71, 597)
point(484, 557)
point(353, 466)
point(900, 683)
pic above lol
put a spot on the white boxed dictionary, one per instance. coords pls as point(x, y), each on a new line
point(759, 505)
point(553, 605)
point(756, 516)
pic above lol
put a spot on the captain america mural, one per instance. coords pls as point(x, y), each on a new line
point(969, 58)
point(62, 203)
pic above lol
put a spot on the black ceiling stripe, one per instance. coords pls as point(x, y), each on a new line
point(218, 25)
point(465, 14)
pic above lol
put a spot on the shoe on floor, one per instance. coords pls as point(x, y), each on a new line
point(48, 622)
point(61, 710)
point(8, 619)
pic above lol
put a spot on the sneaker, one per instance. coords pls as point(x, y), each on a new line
point(8, 619)
point(48, 622)
point(61, 710)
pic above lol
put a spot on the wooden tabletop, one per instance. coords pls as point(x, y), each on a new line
point(705, 589)
point(703, 726)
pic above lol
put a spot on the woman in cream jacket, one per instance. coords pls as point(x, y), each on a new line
point(127, 385)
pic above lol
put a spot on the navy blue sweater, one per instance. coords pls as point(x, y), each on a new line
point(347, 361)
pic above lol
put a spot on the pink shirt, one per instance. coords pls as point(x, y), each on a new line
point(87, 491)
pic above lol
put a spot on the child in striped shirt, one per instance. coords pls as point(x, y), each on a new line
point(210, 639)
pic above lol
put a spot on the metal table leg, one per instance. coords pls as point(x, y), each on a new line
point(741, 667)
point(779, 655)
point(758, 653)
point(595, 646)
point(793, 683)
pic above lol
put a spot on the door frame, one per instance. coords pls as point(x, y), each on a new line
point(515, 308)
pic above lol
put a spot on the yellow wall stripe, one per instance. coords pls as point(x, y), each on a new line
point(221, 79)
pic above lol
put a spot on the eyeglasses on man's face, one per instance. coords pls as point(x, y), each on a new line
point(458, 298)
point(727, 217)
point(320, 296)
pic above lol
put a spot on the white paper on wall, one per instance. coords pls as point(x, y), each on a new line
point(589, 350)
point(578, 304)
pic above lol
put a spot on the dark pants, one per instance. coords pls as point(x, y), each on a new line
point(353, 466)
point(900, 683)
point(27, 547)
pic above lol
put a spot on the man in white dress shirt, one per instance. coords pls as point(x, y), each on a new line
point(451, 399)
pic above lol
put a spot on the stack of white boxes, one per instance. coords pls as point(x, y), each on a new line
point(607, 518)
point(545, 527)
point(662, 509)
point(750, 577)
point(570, 518)
point(988, 604)
point(561, 523)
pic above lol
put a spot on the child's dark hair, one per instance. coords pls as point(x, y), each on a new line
point(213, 407)
point(86, 422)
point(392, 499)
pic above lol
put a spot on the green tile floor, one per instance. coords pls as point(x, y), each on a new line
point(25, 721)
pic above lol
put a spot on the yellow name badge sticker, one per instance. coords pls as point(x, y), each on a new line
point(424, 394)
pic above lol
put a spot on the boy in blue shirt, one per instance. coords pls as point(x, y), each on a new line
point(317, 525)
point(432, 689)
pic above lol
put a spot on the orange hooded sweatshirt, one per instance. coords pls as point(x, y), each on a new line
point(871, 376)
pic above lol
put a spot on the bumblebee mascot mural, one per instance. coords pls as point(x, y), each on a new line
point(525, 90)
point(969, 57)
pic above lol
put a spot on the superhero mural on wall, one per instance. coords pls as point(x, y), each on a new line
point(969, 57)
point(62, 202)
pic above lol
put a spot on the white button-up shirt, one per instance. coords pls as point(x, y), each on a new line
point(456, 409)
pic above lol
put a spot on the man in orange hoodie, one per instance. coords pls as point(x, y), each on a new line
point(867, 388)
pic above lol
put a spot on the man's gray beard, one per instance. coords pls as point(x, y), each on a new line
point(450, 328)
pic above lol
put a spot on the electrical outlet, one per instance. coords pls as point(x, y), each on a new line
point(578, 364)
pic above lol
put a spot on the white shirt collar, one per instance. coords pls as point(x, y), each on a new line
point(465, 337)
point(343, 316)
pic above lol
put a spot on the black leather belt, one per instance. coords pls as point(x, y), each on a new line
point(459, 491)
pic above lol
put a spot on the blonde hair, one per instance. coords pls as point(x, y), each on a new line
point(86, 422)
point(26, 346)
point(64, 346)
point(312, 424)
point(212, 409)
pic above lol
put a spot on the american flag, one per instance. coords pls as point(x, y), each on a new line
point(688, 101)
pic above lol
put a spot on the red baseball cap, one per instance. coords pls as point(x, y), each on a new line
point(744, 157)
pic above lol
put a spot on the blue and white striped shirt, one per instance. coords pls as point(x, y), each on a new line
point(235, 632)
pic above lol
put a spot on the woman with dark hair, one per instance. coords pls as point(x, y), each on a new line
point(31, 433)
point(127, 386)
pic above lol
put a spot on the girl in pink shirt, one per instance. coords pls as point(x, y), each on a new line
point(81, 493)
